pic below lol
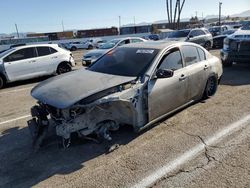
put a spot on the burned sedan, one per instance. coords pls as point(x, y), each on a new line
point(137, 84)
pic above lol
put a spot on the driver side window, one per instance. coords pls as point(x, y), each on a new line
point(172, 61)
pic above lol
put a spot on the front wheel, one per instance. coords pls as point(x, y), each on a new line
point(63, 68)
point(211, 87)
point(227, 63)
point(2, 82)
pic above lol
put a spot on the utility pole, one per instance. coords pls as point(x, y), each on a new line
point(17, 31)
point(119, 25)
point(220, 3)
point(62, 26)
point(134, 26)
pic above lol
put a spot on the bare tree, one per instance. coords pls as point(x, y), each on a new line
point(174, 21)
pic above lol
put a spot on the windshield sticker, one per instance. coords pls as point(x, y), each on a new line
point(143, 51)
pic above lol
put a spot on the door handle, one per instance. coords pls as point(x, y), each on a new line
point(54, 57)
point(205, 67)
point(183, 77)
point(33, 61)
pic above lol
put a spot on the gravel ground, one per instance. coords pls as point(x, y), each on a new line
point(86, 164)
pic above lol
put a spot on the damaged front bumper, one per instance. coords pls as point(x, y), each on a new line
point(98, 117)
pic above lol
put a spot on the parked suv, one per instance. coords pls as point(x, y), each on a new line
point(236, 48)
point(199, 36)
point(30, 61)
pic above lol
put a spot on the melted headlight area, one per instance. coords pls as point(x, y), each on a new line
point(99, 117)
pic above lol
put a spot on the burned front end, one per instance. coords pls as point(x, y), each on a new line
point(96, 115)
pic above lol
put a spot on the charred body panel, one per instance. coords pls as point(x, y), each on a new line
point(100, 113)
point(54, 92)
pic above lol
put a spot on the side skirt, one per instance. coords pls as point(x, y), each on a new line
point(164, 116)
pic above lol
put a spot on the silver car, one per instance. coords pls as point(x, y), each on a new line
point(137, 84)
point(199, 36)
point(93, 55)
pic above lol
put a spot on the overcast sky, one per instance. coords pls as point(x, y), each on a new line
point(47, 15)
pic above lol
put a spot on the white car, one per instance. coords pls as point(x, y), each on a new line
point(89, 44)
point(93, 55)
point(30, 61)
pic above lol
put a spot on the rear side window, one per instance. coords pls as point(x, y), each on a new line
point(52, 50)
point(25, 53)
point(172, 61)
point(202, 54)
point(190, 55)
point(43, 51)
point(135, 40)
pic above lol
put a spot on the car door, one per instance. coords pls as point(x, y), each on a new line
point(47, 60)
point(197, 67)
point(20, 64)
point(197, 36)
point(166, 94)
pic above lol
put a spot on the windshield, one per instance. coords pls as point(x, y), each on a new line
point(179, 34)
point(109, 44)
point(229, 32)
point(125, 61)
point(6, 52)
point(214, 29)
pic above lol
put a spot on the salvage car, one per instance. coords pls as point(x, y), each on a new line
point(199, 36)
point(137, 84)
point(236, 48)
point(31, 61)
point(93, 55)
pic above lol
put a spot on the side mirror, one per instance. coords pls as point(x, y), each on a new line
point(190, 36)
point(164, 73)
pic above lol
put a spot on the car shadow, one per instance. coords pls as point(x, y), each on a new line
point(26, 82)
point(22, 167)
point(237, 75)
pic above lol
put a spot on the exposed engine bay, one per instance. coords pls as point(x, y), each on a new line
point(98, 114)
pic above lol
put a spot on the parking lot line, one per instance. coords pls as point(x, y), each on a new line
point(16, 90)
point(12, 120)
point(193, 152)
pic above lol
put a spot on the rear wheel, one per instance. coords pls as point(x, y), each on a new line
point(63, 68)
point(90, 47)
point(73, 48)
point(207, 45)
point(211, 87)
point(2, 82)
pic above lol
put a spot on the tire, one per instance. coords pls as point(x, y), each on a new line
point(211, 87)
point(207, 45)
point(227, 63)
point(90, 47)
point(73, 48)
point(63, 68)
point(2, 82)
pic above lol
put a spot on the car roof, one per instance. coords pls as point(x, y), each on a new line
point(35, 45)
point(155, 44)
point(125, 38)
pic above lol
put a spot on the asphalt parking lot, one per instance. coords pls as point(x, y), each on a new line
point(204, 145)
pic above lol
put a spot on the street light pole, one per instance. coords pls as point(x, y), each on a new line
point(119, 25)
point(220, 3)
